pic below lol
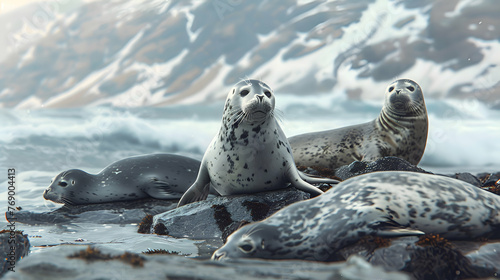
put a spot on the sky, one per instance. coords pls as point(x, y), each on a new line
point(9, 5)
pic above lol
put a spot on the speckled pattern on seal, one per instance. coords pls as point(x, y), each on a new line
point(387, 204)
point(250, 153)
point(400, 130)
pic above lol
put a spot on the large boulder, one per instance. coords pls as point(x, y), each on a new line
point(218, 217)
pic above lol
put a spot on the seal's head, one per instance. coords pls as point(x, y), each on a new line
point(404, 97)
point(66, 185)
point(258, 240)
point(249, 101)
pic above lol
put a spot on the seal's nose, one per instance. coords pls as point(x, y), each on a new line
point(218, 256)
point(398, 91)
point(260, 98)
point(45, 192)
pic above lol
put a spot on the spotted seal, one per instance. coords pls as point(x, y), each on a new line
point(400, 130)
point(250, 153)
point(162, 176)
point(390, 204)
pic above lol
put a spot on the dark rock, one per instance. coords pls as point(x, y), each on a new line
point(14, 245)
point(384, 164)
point(489, 179)
point(487, 257)
point(209, 219)
point(466, 177)
point(428, 257)
point(53, 263)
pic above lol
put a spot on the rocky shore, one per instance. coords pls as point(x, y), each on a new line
point(210, 222)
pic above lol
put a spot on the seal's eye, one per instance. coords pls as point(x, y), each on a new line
point(391, 89)
point(63, 184)
point(410, 88)
point(247, 248)
point(268, 94)
point(244, 93)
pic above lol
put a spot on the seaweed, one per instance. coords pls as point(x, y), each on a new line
point(94, 254)
point(160, 229)
point(145, 225)
point(162, 252)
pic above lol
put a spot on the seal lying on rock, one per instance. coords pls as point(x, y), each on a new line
point(162, 176)
point(386, 204)
point(400, 130)
point(250, 153)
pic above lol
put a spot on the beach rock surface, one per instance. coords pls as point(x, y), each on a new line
point(384, 164)
point(75, 262)
point(14, 245)
point(218, 217)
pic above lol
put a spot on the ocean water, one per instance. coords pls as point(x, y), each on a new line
point(39, 144)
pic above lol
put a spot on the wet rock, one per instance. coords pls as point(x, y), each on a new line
point(428, 257)
point(209, 219)
point(55, 262)
point(489, 179)
point(466, 177)
point(487, 256)
point(124, 212)
point(14, 245)
point(384, 164)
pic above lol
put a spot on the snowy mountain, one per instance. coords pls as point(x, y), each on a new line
point(158, 53)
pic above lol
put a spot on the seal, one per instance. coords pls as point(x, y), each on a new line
point(250, 153)
point(162, 176)
point(400, 130)
point(388, 204)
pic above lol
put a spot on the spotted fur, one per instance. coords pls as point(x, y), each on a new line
point(250, 153)
point(381, 203)
point(400, 130)
point(162, 176)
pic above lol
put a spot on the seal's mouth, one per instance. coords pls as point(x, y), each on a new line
point(400, 102)
point(259, 114)
point(48, 194)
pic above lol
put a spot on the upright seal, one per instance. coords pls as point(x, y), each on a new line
point(400, 130)
point(389, 204)
point(162, 176)
point(250, 153)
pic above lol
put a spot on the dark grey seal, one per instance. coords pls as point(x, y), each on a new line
point(162, 176)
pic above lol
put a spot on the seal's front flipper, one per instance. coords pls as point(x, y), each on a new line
point(393, 229)
point(199, 190)
point(162, 190)
point(317, 180)
point(193, 194)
